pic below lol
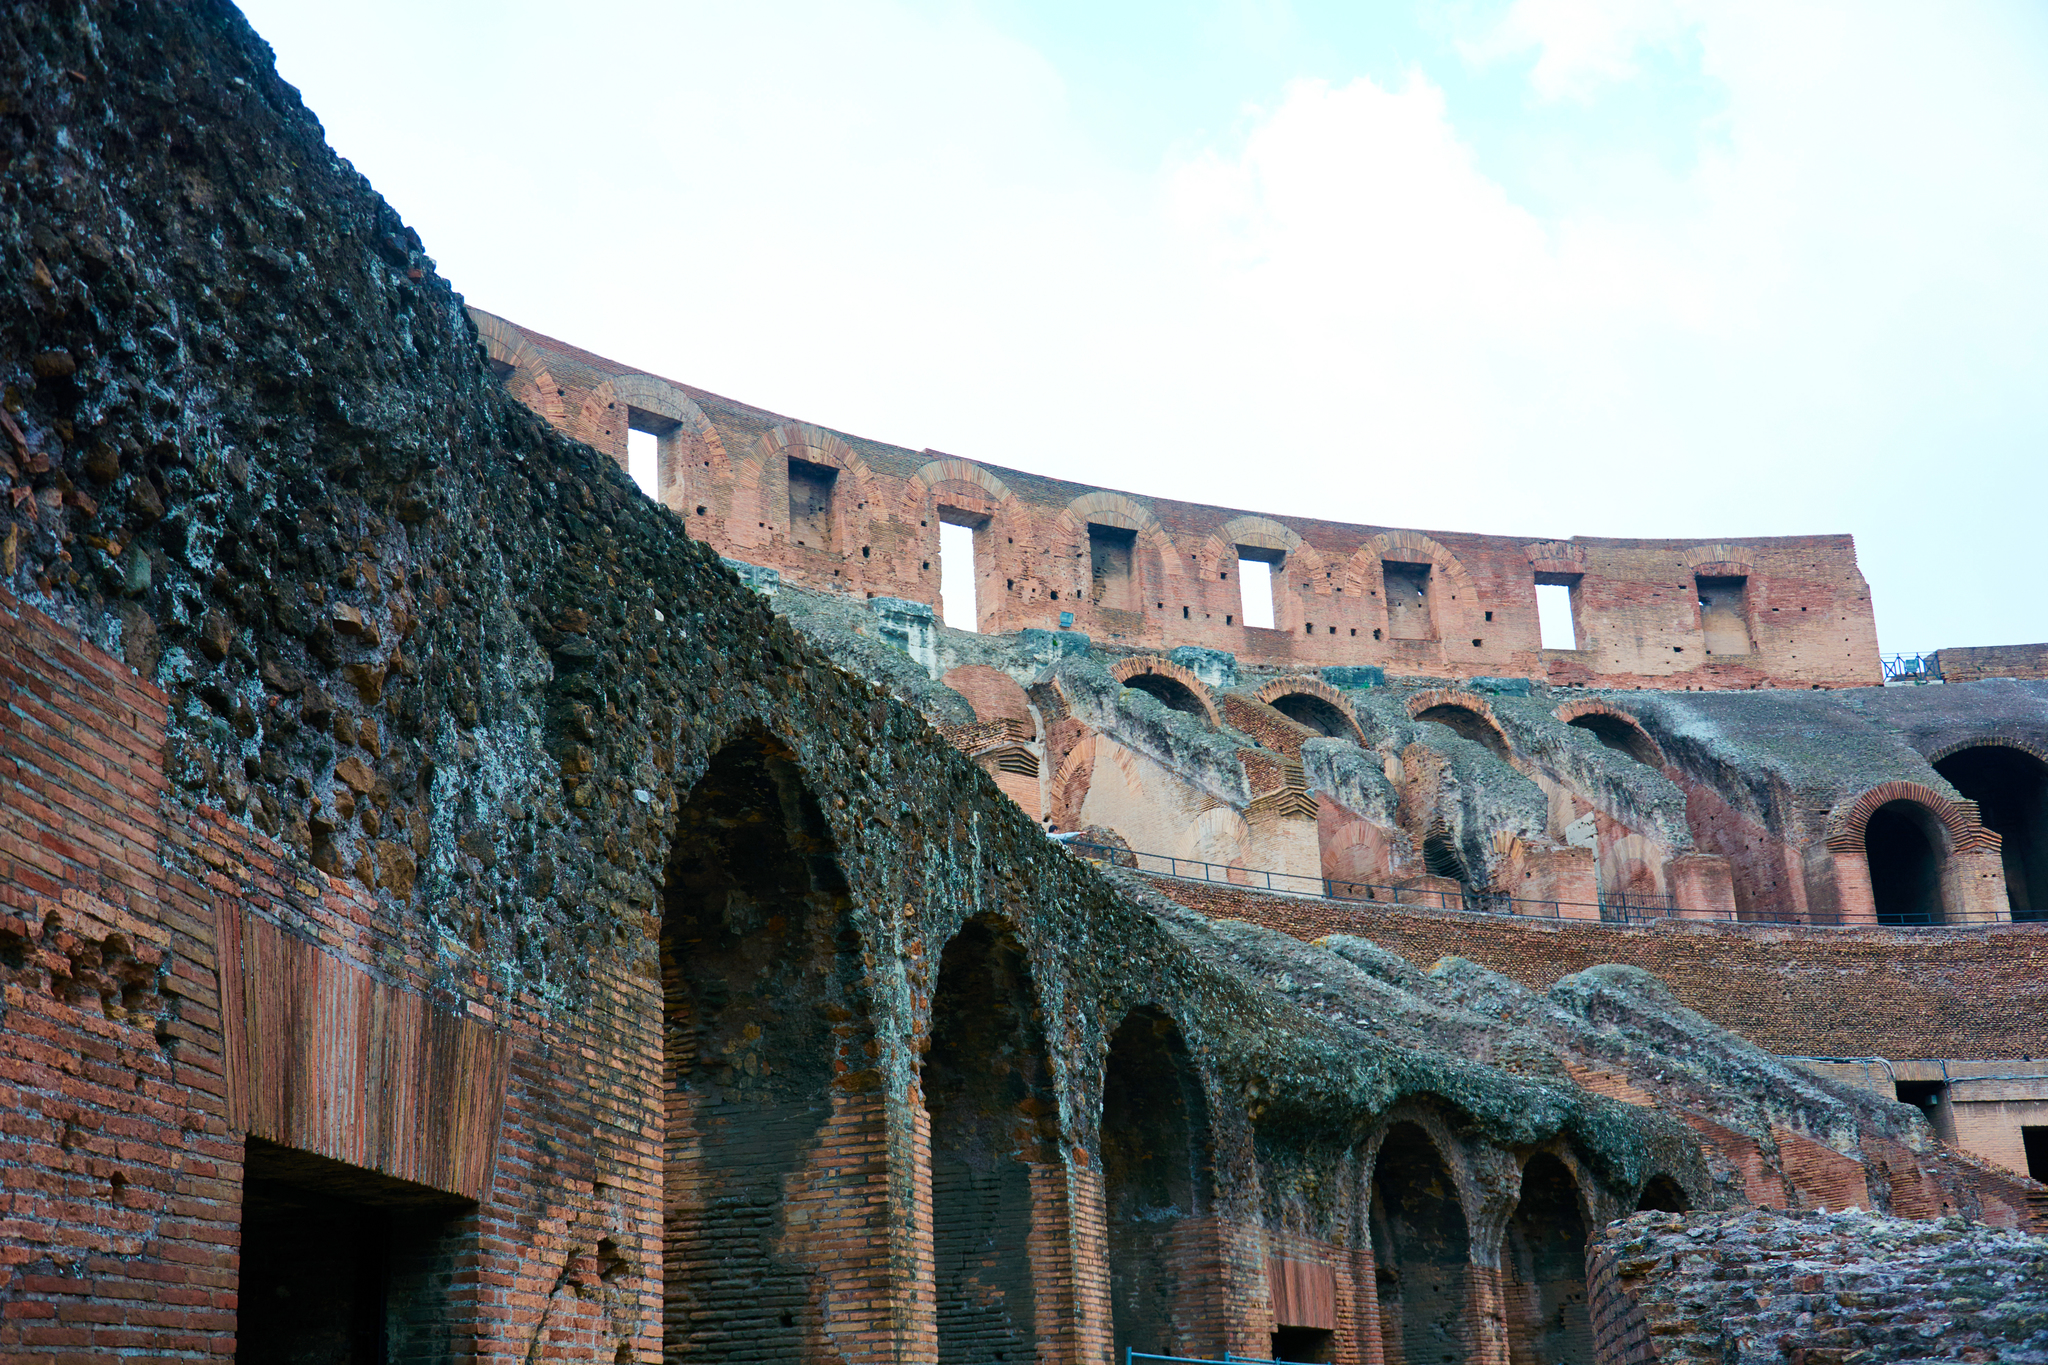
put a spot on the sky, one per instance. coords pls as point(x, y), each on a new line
point(1529, 267)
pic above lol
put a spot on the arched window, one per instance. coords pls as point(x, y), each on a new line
point(762, 1005)
point(2010, 787)
point(1157, 1173)
point(988, 1090)
point(1422, 1252)
point(1905, 849)
point(1545, 1265)
point(1463, 720)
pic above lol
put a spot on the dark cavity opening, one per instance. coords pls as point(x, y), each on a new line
point(1111, 580)
point(2035, 1140)
point(2010, 787)
point(1905, 864)
point(1421, 1224)
point(1618, 735)
point(1408, 616)
point(1548, 1322)
point(1305, 708)
point(1463, 720)
point(341, 1264)
point(1306, 1344)
point(1171, 692)
point(1156, 1169)
point(761, 1001)
point(1440, 857)
point(1662, 1195)
point(988, 1090)
point(810, 503)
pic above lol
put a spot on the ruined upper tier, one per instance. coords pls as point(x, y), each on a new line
point(837, 512)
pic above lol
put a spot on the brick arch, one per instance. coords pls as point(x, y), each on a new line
point(1958, 819)
point(2032, 748)
point(1719, 560)
point(1262, 532)
point(1556, 556)
point(1298, 685)
point(1364, 574)
point(1463, 701)
point(1573, 710)
point(763, 472)
point(1069, 790)
point(1153, 665)
point(530, 381)
point(967, 482)
point(693, 445)
point(1105, 508)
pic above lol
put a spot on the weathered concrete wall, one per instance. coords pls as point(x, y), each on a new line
point(1157, 573)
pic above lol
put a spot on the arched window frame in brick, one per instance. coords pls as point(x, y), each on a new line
point(1152, 665)
point(1453, 608)
point(1155, 564)
point(691, 462)
point(1957, 819)
point(1573, 710)
point(1463, 701)
point(1299, 563)
point(529, 382)
point(760, 511)
point(1299, 686)
point(977, 499)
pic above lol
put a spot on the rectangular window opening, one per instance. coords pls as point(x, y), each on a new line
point(1255, 567)
point(1408, 613)
point(1111, 576)
point(1557, 610)
point(959, 575)
point(653, 452)
point(810, 503)
point(2035, 1140)
point(1724, 614)
point(643, 460)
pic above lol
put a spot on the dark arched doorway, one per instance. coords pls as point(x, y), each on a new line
point(1463, 720)
point(1422, 1250)
point(1307, 709)
point(762, 1003)
point(1157, 1172)
point(988, 1089)
point(1903, 846)
point(1171, 693)
point(2010, 787)
point(1618, 735)
point(1662, 1195)
point(1545, 1261)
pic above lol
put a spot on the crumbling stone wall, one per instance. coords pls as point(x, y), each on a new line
point(1818, 1287)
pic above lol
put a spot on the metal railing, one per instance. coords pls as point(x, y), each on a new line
point(1911, 668)
point(1627, 908)
point(1132, 1357)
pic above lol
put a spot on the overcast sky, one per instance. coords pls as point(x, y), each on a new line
point(1543, 268)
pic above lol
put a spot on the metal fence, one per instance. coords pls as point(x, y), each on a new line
point(1627, 908)
point(1911, 668)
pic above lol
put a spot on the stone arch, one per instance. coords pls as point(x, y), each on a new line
point(1615, 728)
point(766, 1020)
point(1315, 704)
point(958, 482)
point(996, 1164)
point(1957, 819)
point(2007, 780)
point(1174, 686)
point(1662, 1193)
point(516, 362)
point(1719, 560)
point(1453, 598)
point(1556, 556)
point(1421, 1237)
point(1462, 713)
point(1158, 1172)
point(1069, 793)
point(690, 455)
point(1909, 837)
point(1543, 1267)
point(1261, 533)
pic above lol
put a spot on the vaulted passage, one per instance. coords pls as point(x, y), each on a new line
point(2010, 787)
point(995, 1149)
point(1305, 708)
point(761, 990)
point(1618, 735)
point(1663, 1195)
point(1545, 1265)
point(1423, 1253)
point(1903, 850)
point(1463, 720)
point(341, 1265)
point(1171, 692)
point(1156, 1168)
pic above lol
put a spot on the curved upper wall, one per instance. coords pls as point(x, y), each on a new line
point(839, 513)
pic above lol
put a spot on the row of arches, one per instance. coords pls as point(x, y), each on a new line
point(776, 1146)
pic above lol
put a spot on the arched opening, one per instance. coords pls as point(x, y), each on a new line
point(1423, 1252)
point(1171, 693)
point(1156, 1171)
point(1307, 709)
point(988, 1090)
point(1618, 735)
point(1548, 1322)
point(1463, 720)
point(2010, 787)
point(1440, 857)
point(1662, 1195)
point(1903, 847)
point(762, 1006)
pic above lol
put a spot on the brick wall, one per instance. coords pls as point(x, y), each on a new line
point(1992, 661)
point(1799, 991)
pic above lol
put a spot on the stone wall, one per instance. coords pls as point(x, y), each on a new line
point(1992, 661)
